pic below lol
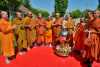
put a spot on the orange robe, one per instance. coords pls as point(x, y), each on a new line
point(78, 37)
point(91, 46)
point(25, 19)
point(70, 22)
point(85, 34)
point(7, 38)
point(40, 30)
point(56, 32)
point(48, 33)
point(30, 31)
point(84, 37)
point(97, 24)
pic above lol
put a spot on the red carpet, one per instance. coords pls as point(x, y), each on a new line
point(44, 57)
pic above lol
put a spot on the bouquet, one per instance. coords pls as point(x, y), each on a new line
point(65, 50)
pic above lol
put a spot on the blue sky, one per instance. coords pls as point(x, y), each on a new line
point(48, 5)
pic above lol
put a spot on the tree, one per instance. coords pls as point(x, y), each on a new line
point(45, 14)
point(3, 6)
point(53, 13)
point(11, 5)
point(76, 14)
point(61, 6)
point(85, 13)
point(35, 11)
point(98, 5)
point(27, 4)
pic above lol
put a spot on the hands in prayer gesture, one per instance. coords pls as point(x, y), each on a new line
point(15, 27)
point(40, 24)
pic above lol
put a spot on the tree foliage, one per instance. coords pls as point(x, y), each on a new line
point(85, 13)
point(77, 13)
point(61, 6)
point(53, 14)
point(98, 5)
point(27, 4)
point(36, 12)
point(10, 5)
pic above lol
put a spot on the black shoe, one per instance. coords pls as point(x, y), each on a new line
point(86, 62)
point(90, 65)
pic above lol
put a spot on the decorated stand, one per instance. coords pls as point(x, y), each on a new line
point(63, 49)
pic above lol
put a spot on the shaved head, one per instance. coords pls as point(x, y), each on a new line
point(4, 15)
point(96, 11)
point(40, 16)
point(29, 14)
point(3, 12)
point(96, 14)
point(82, 19)
point(67, 16)
point(19, 15)
point(57, 15)
point(49, 18)
point(90, 14)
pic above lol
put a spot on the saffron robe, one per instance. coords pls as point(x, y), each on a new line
point(7, 38)
point(56, 32)
point(78, 37)
point(84, 36)
point(48, 38)
point(91, 46)
point(30, 32)
point(25, 19)
point(70, 22)
point(40, 30)
point(20, 33)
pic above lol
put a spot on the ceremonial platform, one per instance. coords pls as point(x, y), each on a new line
point(45, 57)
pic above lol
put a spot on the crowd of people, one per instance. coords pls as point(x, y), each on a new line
point(87, 36)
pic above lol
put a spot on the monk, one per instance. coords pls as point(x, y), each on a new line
point(70, 24)
point(97, 23)
point(41, 23)
point(48, 39)
point(79, 35)
point(56, 29)
point(30, 31)
point(20, 33)
point(7, 37)
point(90, 18)
point(92, 41)
point(53, 31)
point(0, 44)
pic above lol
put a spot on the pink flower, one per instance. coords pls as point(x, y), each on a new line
point(58, 49)
point(61, 50)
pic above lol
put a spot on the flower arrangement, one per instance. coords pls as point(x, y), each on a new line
point(65, 50)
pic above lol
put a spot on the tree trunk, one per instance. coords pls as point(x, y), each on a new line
point(10, 14)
